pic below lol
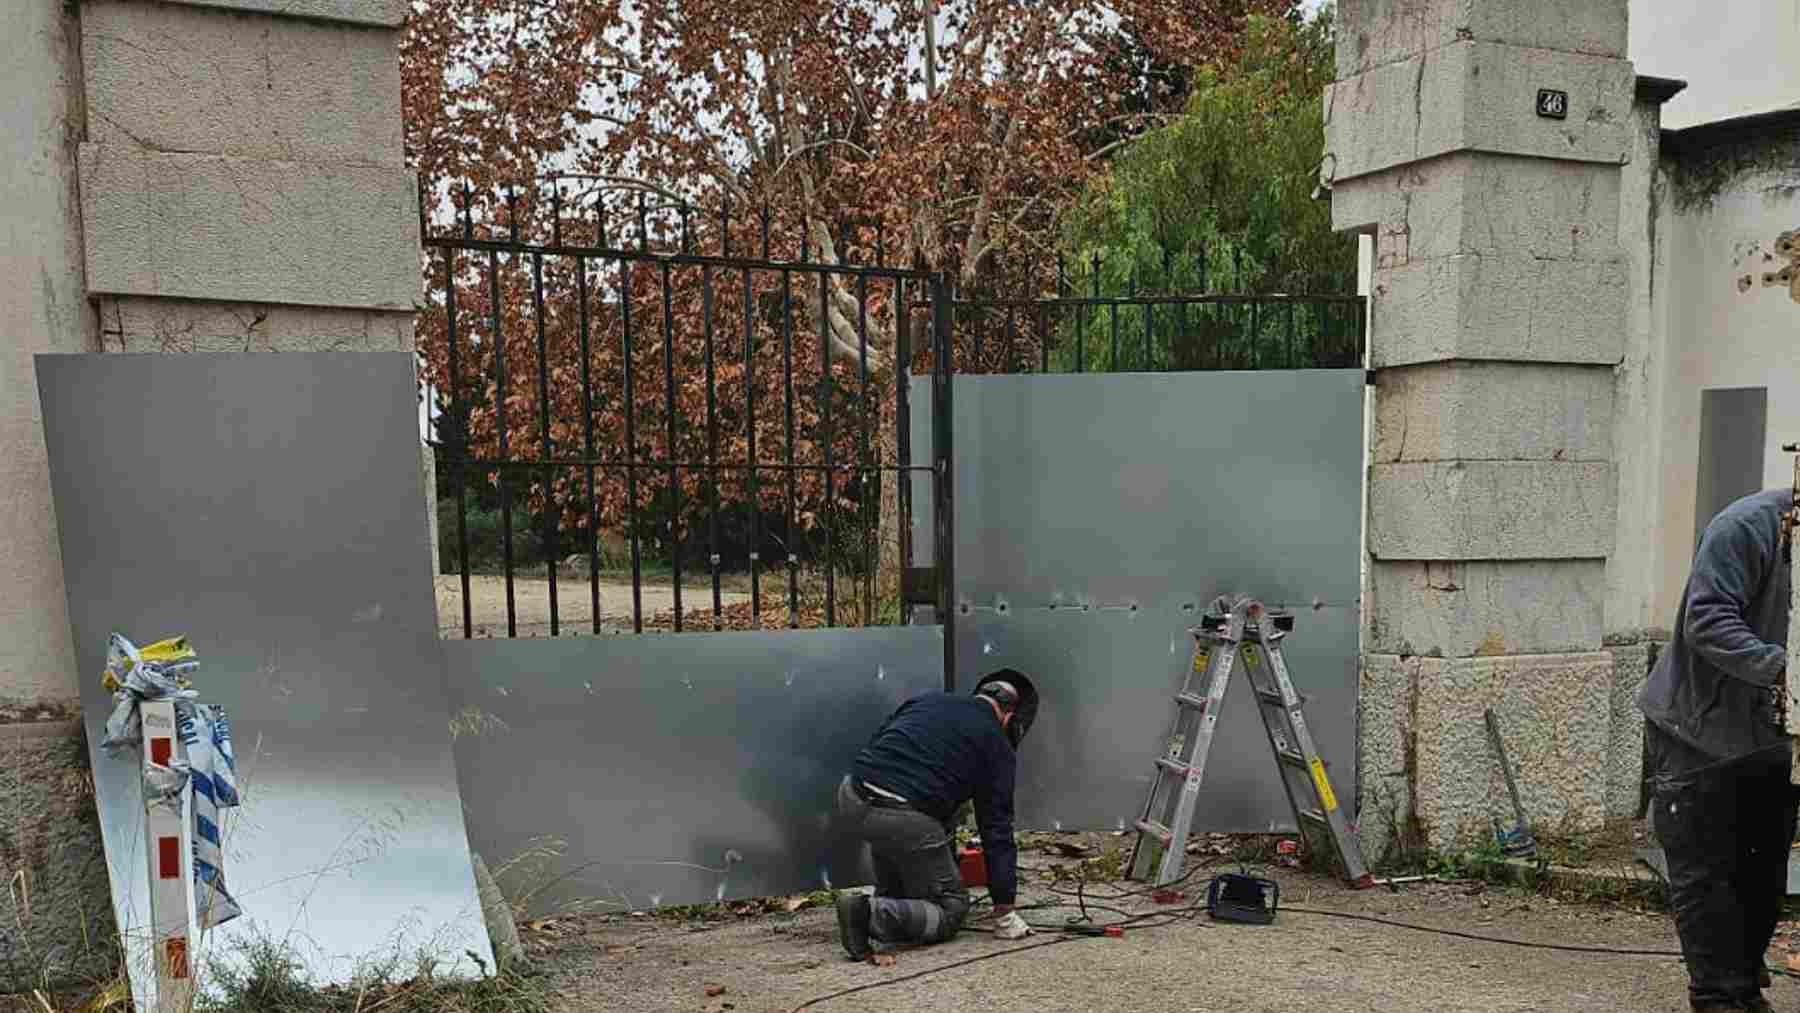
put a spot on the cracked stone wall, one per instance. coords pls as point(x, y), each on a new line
point(184, 176)
point(1498, 317)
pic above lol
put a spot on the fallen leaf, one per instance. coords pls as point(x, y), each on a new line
point(717, 1006)
point(882, 959)
point(795, 903)
point(1793, 962)
point(714, 988)
point(1070, 850)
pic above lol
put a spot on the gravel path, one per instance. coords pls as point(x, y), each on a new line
point(531, 604)
point(773, 963)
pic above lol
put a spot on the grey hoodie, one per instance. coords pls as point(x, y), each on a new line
point(1713, 685)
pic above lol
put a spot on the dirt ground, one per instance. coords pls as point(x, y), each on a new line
point(574, 603)
point(774, 963)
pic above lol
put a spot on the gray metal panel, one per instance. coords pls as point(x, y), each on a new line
point(1157, 490)
point(654, 758)
point(1734, 429)
point(1112, 488)
point(1107, 678)
point(269, 507)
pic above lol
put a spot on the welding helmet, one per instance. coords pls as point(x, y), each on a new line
point(1015, 693)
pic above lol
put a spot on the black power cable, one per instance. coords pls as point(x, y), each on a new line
point(1185, 914)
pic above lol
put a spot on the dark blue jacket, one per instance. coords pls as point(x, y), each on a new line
point(1713, 686)
point(940, 750)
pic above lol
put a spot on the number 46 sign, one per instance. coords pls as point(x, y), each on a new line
point(1553, 104)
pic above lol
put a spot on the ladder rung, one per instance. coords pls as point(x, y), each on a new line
point(1316, 816)
point(1191, 700)
point(1291, 758)
point(1156, 830)
point(1173, 767)
point(1270, 696)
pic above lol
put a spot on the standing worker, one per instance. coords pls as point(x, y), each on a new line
point(901, 796)
point(1716, 753)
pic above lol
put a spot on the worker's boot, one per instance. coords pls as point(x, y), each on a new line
point(853, 924)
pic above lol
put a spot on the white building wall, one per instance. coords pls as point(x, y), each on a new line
point(1717, 335)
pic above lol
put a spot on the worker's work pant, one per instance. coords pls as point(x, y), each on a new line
point(1726, 832)
point(919, 893)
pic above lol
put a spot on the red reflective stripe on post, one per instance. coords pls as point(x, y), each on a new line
point(168, 858)
point(161, 748)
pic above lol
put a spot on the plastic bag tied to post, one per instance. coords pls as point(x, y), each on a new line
point(202, 755)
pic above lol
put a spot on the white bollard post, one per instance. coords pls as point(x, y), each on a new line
point(167, 826)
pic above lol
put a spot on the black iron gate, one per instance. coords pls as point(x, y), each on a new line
point(673, 391)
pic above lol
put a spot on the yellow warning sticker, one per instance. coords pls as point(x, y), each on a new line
point(1249, 655)
point(1200, 660)
point(1326, 798)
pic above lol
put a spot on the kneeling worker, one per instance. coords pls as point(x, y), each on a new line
point(934, 753)
point(1716, 753)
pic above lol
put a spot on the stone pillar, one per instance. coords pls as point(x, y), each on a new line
point(187, 176)
point(1497, 317)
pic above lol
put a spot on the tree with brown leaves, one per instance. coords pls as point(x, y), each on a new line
point(947, 133)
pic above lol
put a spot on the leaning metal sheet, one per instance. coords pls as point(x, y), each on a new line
point(270, 508)
point(1154, 491)
point(673, 769)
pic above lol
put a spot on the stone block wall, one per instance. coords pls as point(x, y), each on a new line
point(184, 176)
point(1497, 318)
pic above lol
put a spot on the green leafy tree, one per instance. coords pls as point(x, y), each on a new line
point(1220, 199)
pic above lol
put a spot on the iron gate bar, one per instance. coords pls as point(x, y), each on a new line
point(587, 443)
point(943, 464)
point(764, 263)
point(549, 516)
point(787, 368)
point(750, 435)
point(825, 409)
point(459, 437)
point(512, 617)
point(712, 443)
point(631, 497)
point(669, 429)
point(871, 559)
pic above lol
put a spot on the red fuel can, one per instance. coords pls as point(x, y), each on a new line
point(973, 866)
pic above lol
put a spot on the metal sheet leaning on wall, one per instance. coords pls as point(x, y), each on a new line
point(266, 506)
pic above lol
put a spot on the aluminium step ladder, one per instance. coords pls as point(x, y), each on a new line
point(1229, 636)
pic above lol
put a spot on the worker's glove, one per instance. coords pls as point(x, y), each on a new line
point(1012, 927)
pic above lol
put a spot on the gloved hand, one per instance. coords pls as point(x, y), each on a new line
point(1011, 926)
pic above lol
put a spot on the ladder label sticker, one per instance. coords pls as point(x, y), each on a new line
point(1193, 783)
point(176, 954)
point(1326, 797)
point(1201, 657)
point(1249, 655)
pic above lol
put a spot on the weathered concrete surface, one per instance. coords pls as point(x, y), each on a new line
point(1389, 30)
point(138, 324)
point(1484, 607)
point(387, 13)
point(1555, 715)
point(1497, 307)
point(43, 311)
point(56, 911)
point(1491, 411)
point(1491, 205)
point(1625, 738)
point(202, 80)
point(206, 227)
point(1385, 719)
point(1634, 571)
point(1478, 96)
point(1457, 510)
